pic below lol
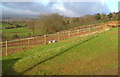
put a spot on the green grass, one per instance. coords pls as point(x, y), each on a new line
point(21, 32)
point(76, 25)
point(17, 30)
point(91, 55)
point(4, 25)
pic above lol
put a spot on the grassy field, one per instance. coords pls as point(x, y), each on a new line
point(92, 55)
point(22, 32)
point(19, 31)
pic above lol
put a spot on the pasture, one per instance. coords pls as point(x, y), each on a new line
point(91, 55)
point(21, 32)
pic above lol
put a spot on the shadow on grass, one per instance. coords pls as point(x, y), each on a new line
point(57, 55)
point(7, 66)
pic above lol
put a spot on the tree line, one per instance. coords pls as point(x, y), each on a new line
point(51, 23)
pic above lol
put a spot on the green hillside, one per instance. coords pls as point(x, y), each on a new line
point(95, 54)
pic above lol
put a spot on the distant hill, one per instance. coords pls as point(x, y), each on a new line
point(7, 17)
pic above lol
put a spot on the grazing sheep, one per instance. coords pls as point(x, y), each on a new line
point(52, 41)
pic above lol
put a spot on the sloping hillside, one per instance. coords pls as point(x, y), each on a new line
point(95, 54)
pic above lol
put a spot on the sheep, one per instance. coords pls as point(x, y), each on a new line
point(52, 41)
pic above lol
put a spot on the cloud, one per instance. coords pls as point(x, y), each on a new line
point(83, 8)
point(63, 8)
point(24, 6)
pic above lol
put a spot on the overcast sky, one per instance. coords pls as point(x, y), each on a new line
point(72, 9)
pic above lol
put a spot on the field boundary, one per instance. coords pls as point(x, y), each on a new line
point(9, 46)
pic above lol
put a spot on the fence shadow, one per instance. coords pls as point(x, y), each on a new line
point(57, 54)
point(7, 67)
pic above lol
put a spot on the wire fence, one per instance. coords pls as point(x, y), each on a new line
point(10, 47)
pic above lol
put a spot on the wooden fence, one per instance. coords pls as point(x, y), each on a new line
point(10, 47)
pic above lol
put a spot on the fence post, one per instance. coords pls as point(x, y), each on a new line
point(95, 28)
point(58, 36)
point(69, 33)
point(45, 39)
point(84, 31)
point(6, 49)
point(28, 42)
point(89, 30)
point(78, 32)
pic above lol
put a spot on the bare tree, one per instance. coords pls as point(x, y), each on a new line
point(32, 25)
point(51, 23)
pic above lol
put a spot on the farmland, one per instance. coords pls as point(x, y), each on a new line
point(91, 55)
point(21, 32)
point(17, 29)
point(42, 38)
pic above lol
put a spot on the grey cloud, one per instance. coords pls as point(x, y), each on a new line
point(26, 6)
point(70, 8)
point(83, 8)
